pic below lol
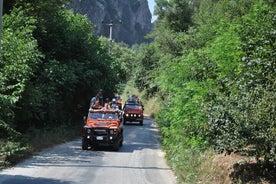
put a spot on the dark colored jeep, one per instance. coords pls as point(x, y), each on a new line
point(102, 128)
point(133, 112)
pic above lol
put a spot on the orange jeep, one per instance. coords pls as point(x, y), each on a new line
point(133, 112)
point(102, 128)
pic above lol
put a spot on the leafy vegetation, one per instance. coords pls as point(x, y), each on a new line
point(210, 69)
point(51, 65)
point(216, 76)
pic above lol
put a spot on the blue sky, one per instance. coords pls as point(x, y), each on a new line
point(151, 7)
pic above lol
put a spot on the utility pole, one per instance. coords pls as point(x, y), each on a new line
point(111, 24)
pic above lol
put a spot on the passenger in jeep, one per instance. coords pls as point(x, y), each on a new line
point(106, 107)
point(113, 104)
point(96, 105)
point(95, 99)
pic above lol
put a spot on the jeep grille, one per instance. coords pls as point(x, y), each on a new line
point(100, 131)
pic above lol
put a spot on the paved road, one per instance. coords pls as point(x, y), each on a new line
point(139, 161)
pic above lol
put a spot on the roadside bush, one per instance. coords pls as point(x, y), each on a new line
point(244, 120)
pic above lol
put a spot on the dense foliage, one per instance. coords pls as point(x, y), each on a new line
point(246, 113)
point(211, 64)
point(215, 75)
point(51, 65)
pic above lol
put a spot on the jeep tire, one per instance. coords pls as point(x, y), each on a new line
point(84, 144)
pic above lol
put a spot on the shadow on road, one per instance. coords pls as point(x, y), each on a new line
point(18, 179)
point(65, 155)
point(136, 138)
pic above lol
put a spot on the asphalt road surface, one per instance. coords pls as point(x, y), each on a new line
point(139, 161)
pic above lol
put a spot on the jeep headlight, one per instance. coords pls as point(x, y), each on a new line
point(88, 131)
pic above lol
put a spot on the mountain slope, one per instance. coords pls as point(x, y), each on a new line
point(134, 14)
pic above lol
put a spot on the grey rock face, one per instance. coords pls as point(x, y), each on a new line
point(134, 15)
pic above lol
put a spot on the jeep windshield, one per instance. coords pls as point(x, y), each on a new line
point(105, 116)
point(133, 107)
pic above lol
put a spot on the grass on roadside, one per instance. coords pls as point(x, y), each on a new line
point(40, 139)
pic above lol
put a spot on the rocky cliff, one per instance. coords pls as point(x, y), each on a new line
point(131, 19)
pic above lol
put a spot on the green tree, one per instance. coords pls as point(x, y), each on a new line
point(123, 61)
point(175, 14)
point(217, 80)
point(20, 58)
point(143, 69)
point(18, 65)
point(246, 115)
point(75, 66)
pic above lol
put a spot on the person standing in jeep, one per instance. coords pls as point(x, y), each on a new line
point(97, 98)
point(101, 98)
point(94, 99)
